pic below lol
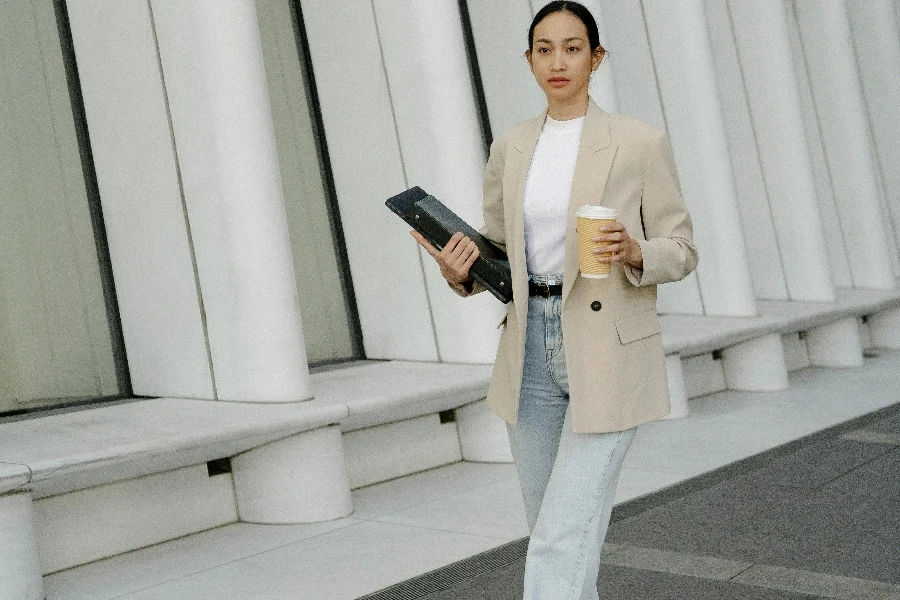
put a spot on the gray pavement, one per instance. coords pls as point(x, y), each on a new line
point(816, 518)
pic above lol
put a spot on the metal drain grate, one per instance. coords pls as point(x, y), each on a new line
point(445, 578)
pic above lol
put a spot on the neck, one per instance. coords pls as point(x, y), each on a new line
point(564, 110)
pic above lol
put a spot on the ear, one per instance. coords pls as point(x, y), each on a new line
point(597, 58)
point(530, 62)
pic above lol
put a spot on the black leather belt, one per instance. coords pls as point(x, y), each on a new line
point(544, 290)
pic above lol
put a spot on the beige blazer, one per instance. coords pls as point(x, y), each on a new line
point(611, 334)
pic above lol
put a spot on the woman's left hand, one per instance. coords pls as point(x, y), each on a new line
point(624, 248)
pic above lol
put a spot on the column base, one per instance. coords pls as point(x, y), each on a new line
point(20, 571)
point(836, 344)
point(300, 479)
point(482, 434)
point(884, 328)
point(678, 398)
point(756, 365)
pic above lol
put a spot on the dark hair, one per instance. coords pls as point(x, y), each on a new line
point(579, 10)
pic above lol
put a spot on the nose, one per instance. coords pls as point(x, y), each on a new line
point(559, 63)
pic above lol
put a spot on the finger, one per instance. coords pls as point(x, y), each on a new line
point(608, 249)
point(451, 244)
point(613, 227)
point(425, 243)
point(457, 252)
point(471, 260)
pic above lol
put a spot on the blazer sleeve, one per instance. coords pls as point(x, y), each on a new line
point(668, 251)
point(494, 227)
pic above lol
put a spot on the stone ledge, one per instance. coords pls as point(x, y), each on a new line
point(87, 448)
point(385, 392)
point(692, 335)
point(13, 477)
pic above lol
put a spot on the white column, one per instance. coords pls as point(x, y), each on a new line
point(774, 100)
point(222, 121)
point(20, 572)
point(836, 344)
point(884, 328)
point(482, 434)
point(687, 79)
point(753, 201)
point(638, 95)
point(136, 169)
point(300, 479)
point(443, 150)
point(678, 399)
point(876, 37)
point(831, 222)
point(828, 50)
point(757, 365)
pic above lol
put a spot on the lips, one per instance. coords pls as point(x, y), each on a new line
point(558, 81)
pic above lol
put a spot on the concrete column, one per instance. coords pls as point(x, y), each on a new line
point(638, 95)
point(687, 79)
point(300, 479)
point(757, 365)
point(20, 572)
point(443, 150)
point(143, 213)
point(482, 434)
point(831, 222)
point(773, 96)
point(677, 389)
point(876, 37)
point(367, 164)
point(834, 78)
point(766, 257)
point(215, 83)
point(884, 328)
point(836, 344)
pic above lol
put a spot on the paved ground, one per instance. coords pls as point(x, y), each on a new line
point(405, 527)
point(818, 518)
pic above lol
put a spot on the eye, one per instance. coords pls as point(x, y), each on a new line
point(544, 50)
point(574, 49)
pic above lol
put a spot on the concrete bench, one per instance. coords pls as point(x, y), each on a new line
point(753, 349)
point(395, 415)
point(287, 464)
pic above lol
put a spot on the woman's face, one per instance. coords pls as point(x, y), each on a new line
point(560, 57)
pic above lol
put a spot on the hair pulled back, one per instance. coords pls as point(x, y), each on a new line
point(579, 10)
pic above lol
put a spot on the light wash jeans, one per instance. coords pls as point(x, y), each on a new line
point(568, 479)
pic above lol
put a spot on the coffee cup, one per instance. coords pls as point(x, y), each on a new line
point(590, 219)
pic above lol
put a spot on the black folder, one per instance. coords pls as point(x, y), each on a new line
point(437, 223)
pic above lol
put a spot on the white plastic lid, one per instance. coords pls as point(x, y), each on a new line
point(596, 212)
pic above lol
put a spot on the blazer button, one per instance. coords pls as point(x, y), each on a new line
point(595, 305)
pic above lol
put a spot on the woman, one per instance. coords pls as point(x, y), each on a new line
point(580, 362)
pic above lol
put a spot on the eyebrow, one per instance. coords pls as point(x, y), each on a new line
point(565, 41)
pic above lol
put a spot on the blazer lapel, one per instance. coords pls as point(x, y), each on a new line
point(524, 150)
point(595, 157)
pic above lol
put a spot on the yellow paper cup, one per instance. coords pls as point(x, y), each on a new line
point(590, 219)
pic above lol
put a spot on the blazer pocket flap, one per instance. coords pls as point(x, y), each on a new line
point(639, 326)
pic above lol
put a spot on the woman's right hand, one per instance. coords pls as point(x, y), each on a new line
point(455, 258)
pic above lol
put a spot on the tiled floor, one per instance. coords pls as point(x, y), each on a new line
point(415, 524)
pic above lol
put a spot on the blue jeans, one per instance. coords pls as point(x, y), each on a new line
point(568, 479)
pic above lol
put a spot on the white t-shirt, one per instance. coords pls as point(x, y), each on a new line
point(546, 197)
